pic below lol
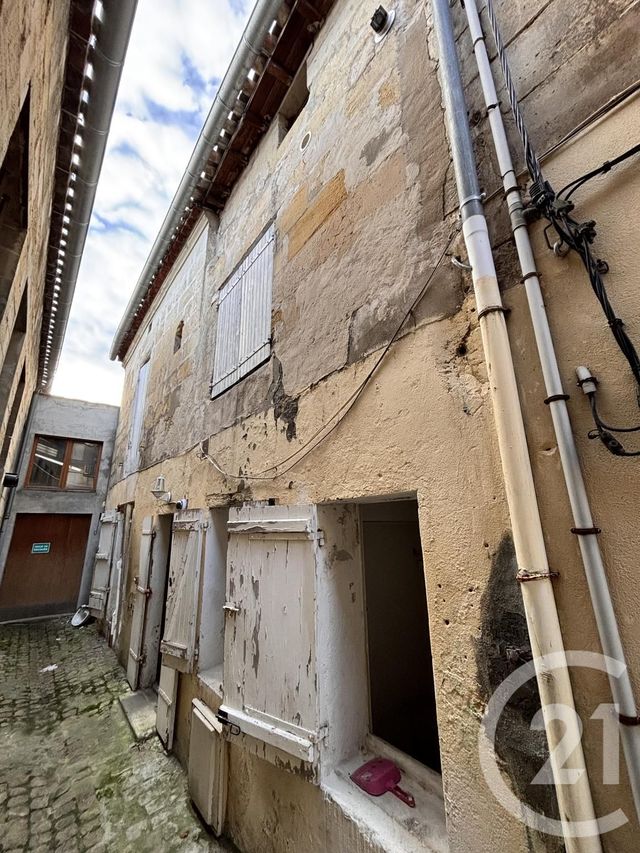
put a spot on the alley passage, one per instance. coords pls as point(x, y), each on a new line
point(71, 776)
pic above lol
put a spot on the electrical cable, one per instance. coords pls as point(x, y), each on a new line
point(331, 424)
point(576, 183)
point(597, 114)
point(576, 235)
point(604, 432)
point(601, 423)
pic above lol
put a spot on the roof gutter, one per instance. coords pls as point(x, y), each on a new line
point(226, 102)
point(113, 20)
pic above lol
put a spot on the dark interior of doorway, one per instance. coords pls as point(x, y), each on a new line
point(401, 687)
point(165, 523)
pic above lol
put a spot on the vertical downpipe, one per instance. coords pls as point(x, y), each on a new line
point(574, 801)
point(610, 640)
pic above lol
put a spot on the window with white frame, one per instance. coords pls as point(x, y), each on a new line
point(243, 336)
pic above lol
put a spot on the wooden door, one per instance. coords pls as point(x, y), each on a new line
point(44, 565)
point(187, 546)
point(142, 593)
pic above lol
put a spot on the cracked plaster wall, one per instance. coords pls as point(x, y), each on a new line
point(360, 218)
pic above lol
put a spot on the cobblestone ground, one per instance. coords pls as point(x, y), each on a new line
point(71, 776)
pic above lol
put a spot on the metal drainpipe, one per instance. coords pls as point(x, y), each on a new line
point(585, 529)
point(574, 801)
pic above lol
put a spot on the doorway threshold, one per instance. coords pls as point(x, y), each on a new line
point(140, 710)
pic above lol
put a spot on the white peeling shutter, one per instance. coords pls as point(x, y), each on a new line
point(137, 419)
point(243, 336)
point(208, 762)
point(142, 593)
point(101, 579)
point(270, 656)
point(166, 709)
point(179, 639)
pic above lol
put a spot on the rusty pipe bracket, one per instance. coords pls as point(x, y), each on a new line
point(585, 531)
point(525, 575)
point(628, 721)
point(145, 590)
point(490, 309)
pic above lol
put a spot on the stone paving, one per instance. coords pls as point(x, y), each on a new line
point(72, 777)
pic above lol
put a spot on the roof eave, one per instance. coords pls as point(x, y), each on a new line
point(92, 85)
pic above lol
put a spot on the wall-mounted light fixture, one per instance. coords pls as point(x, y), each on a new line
point(159, 490)
point(381, 22)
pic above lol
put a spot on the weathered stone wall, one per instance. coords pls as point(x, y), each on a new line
point(33, 39)
point(361, 217)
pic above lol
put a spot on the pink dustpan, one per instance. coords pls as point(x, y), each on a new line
point(380, 775)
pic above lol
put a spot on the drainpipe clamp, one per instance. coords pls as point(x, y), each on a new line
point(524, 576)
point(554, 398)
point(489, 309)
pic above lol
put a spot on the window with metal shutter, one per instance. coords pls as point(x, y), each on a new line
point(243, 338)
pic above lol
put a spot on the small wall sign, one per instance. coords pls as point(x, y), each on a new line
point(40, 547)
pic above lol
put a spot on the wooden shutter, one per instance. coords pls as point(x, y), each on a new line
point(208, 761)
point(243, 335)
point(179, 639)
point(166, 710)
point(114, 599)
point(100, 582)
point(270, 656)
point(142, 593)
point(137, 419)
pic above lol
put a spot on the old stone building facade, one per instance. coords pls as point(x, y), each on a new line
point(319, 500)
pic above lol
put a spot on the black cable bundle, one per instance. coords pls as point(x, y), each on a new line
point(577, 236)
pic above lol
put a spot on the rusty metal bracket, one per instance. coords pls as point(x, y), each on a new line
point(490, 309)
point(555, 397)
point(145, 590)
point(585, 531)
point(628, 721)
point(524, 576)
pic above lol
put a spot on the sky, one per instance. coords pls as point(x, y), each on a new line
point(178, 53)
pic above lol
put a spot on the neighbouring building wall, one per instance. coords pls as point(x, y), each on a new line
point(33, 41)
point(70, 419)
point(362, 214)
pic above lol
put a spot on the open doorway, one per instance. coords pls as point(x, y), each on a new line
point(158, 583)
point(212, 600)
point(401, 687)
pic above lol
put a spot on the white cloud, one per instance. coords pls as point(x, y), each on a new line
point(178, 52)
